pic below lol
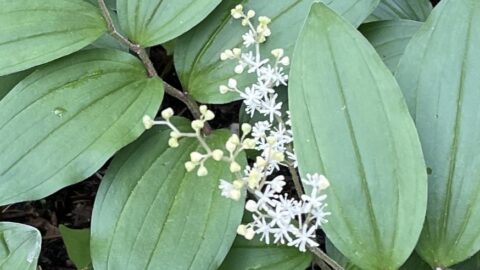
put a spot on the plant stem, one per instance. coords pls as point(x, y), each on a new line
point(295, 179)
point(151, 72)
point(324, 257)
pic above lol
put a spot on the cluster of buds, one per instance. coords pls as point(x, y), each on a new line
point(259, 33)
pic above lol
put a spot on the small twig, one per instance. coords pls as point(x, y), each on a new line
point(190, 103)
point(295, 179)
point(143, 55)
point(324, 257)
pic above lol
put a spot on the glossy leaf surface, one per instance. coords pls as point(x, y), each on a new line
point(152, 22)
point(63, 122)
point(35, 32)
point(439, 77)
point(390, 38)
point(19, 246)
point(351, 123)
point(151, 214)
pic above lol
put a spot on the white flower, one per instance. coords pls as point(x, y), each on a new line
point(265, 198)
point(227, 189)
point(249, 39)
point(293, 158)
point(270, 107)
point(305, 237)
point(277, 183)
point(259, 129)
point(263, 228)
point(316, 181)
point(251, 100)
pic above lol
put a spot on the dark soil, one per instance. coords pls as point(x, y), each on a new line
point(72, 206)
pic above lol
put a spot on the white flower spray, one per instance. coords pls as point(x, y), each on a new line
point(276, 217)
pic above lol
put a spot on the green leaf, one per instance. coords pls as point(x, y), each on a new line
point(19, 246)
point(77, 243)
point(439, 77)
point(414, 262)
point(64, 121)
point(151, 214)
point(197, 54)
point(350, 123)
point(153, 22)
point(417, 10)
point(35, 32)
point(7, 82)
point(256, 255)
point(390, 38)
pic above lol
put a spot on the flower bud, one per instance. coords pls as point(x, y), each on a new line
point(264, 20)
point(238, 184)
point(217, 154)
point(148, 122)
point(261, 162)
point(172, 142)
point(223, 89)
point(196, 157)
point(203, 109)
point(167, 113)
point(249, 234)
point(230, 146)
point(202, 171)
point(241, 229)
point(235, 194)
point(197, 124)
point(251, 14)
point(234, 139)
point(237, 12)
point(324, 183)
point(235, 167)
point(209, 115)
point(277, 53)
point(285, 61)
point(239, 69)
point(251, 206)
point(249, 144)
point(246, 128)
point(278, 156)
point(236, 52)
point(232, 83)
point(189, 166)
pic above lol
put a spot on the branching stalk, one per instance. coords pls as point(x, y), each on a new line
point(151, 72)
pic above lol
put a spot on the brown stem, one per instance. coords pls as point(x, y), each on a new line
point(295, 179)
point(143, 55)
point(324, 257)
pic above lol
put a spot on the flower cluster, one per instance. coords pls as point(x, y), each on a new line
point(285, 219)
point(275, 215)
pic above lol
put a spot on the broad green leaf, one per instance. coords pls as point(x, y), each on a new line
point(153, 22)
point(197, 54)
point(439, 77)
point(256, 255)
point(77, 242)
point(35, 32)
point(390, 38)
point(417, 10)
point(350, 123)
point(414, 262)
point(7, 82)
point(65, 120)
point(19, 246)
point(151, 214)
